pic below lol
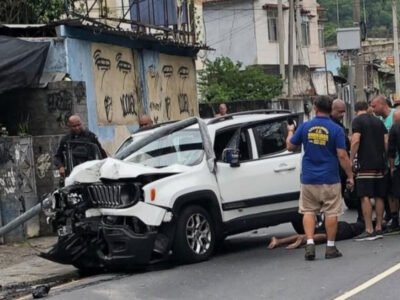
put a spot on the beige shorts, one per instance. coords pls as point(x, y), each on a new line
point(316, 198)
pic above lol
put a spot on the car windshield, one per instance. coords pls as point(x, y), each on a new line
point(182, 147)
point(130, 140)
point(125, 144)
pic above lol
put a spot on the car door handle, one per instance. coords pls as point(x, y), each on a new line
point(284, 167)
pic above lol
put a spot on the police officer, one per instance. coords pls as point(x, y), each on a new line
point(79, 137)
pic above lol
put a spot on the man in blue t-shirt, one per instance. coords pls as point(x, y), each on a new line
point(324, 147)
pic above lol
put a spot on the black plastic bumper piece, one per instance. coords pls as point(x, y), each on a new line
point(110, 247)
point(126, 248)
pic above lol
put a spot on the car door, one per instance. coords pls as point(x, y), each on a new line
point(268, 177)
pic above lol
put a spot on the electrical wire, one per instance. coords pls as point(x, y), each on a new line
point(236, 30)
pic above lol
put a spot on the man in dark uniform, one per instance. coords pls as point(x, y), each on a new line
point(351, 200)
point(78, 140)
point(337, 114)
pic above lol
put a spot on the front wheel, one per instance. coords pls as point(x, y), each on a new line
point(195, 235)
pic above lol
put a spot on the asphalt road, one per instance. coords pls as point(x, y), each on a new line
point(246, 269)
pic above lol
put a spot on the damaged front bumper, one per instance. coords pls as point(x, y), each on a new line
point(94, 245)
point(97, 233)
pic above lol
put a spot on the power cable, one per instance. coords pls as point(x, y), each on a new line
point(236, 30)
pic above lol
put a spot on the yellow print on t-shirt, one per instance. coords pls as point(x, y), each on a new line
point(318, 135)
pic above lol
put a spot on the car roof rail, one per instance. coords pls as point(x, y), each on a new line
point(249, 112)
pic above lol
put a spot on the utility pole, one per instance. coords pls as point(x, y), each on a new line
point(290, 52)
point(281, 37)
point(396, 50)
point(359, 59)
point(299, 42)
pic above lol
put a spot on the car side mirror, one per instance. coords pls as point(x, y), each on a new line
point(231, 156)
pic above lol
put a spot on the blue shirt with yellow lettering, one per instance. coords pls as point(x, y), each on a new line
point(320, 137)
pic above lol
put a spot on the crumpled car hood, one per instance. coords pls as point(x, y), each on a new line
point(115, 169)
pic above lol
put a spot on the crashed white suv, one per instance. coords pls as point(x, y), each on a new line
point(179, 190)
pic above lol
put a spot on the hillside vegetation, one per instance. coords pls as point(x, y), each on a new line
point(378, 15)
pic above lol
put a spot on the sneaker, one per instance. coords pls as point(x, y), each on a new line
point(367, 236)
point(332, 252)
point(310, 252)
point(392, 231)
point(379, 234)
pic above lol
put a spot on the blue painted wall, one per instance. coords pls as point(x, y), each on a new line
point(79, 66)
point(56, 58)
point(333, 62)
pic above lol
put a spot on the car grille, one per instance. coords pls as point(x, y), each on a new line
point(113, 195)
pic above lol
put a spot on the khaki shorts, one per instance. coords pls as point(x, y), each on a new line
point(316, 198)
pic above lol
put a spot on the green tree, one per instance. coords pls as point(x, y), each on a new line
point(377, 15)
point(223, 80)
point(30, 11)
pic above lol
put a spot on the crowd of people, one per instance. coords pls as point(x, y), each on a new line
point(367, 162)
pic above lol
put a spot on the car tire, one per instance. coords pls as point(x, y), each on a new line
point(298, 224)
point(195, 235)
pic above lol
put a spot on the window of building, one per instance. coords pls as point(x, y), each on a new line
point(321, 36)
point(272, 17)
point(305, 31)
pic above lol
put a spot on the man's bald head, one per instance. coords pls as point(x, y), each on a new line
point(338, 109)
point(145, 121)
point(380, 107)
point(222, 109)
point(75, 124)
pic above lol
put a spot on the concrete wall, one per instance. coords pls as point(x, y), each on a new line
point(46, 175)
point(44, 110)
point(230, 30)
point(17, 185)
point(170, 86)
point(121, 83)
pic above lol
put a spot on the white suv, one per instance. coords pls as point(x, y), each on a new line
point(179, 190)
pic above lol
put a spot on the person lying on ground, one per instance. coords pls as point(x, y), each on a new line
point(345, 231)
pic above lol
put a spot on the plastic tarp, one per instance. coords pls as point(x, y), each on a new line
point(21, 62)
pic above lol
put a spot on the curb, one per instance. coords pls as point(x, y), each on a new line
point(14, 290)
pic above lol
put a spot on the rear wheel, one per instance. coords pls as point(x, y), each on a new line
point(195, 235)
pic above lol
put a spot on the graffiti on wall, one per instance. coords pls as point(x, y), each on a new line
point(43, 165)
point(16, 167)
point(115, 85)
point(123, 66)
point(103, 64)
point(108, 108)
point(5, 154)
point(80, 92)
point(8, 182)
point(60, 103)
point(171, 89)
